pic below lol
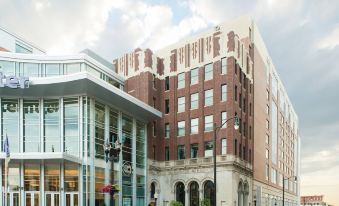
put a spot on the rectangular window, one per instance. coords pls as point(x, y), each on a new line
point(274, 176)
point(267, 124)
point(52, 70)
point(167, 130)
point(154, 128)
point(153, 81)
point(209, 149)
point(235, 93)
point(208, 123)
point(154, 102)
point(267, 95)
point(181, 152)
point(194, 76)
point(167, 154)
point(223, 92)
point(267, 139)
point(224, 119)
point(195, 101)
point(267, 171)
point(209, 97)
point(181, 104)
point(71, 127)
point(181, 80)
point(274, 117)
point(31, 133)
point(167, 84)
point(195, 126)
point(224, 66)
point(51, 126)
point(31, 70)
point(194, 150)
point(181, 128)
point(267, 154)
point(223, 146)
point(167, 107)
point(267, 109)
point(208, 71)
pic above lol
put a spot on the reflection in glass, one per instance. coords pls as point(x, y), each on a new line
point(52, 70)
point(31, 70)
point(32, 177)
point(10, 120)
point(51, 126)
point(99, 183)
point(13, 176)
point(99, 130)
point(52, 177)
point(72, 68)
point(71, 126)
point(31, 126)
point(7, 68)
point(71, 177)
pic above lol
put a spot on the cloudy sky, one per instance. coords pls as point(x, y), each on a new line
point(301, 36)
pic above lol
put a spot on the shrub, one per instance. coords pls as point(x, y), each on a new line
point(175, 203)
point(205, 202)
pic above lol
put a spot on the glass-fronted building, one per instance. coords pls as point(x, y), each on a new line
point(57, 124)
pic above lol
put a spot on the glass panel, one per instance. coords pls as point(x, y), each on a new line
point(209, 97)
point(194, 76)
point(140, 190)
point(209, 149)
point(10, 121)
point(7, 68)
point(48, 200)
point(99, 183)
point(36, 199)
point(71, 177)
point(75, 200)
point(31, 126)
point(56, 199)
point(52, 70)
point(194, 194)
point(181, 104)
point(32, 177)
point(208, 123)
point(180, 192)
point(72, 68)
point(68, 199)
point(99, 131)
point(13, 176)
point(71, 126)
point(208, 71)
point(52, 177)
point(28, 199)
point(181, 80)
point(140, 145)
point(16, 199)
point(31, 70)
point(22, 49)
point(127, 180)
point(51, 126)
point(194, 101)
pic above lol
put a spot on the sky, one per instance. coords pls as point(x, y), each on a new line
point(302, 37)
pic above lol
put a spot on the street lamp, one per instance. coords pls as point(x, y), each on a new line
point(216, 130)
point(284, 179)
point(155, 198)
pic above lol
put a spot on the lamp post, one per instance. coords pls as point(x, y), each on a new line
point(284, 179)
point(216, 130)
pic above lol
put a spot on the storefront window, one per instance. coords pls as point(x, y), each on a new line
point(71, 177)
point(32, 177)
point(31, 126)
point(52, 177)
point(99, 183)
point(13, 176)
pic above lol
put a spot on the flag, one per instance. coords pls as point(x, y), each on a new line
point(6, 148)
point(8, 155)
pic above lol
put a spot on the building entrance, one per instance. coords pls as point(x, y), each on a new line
point(72, 199)
point(32, 198)
point(13, 199)
point(52, 199)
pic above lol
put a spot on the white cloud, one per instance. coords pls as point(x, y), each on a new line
point(331, 40)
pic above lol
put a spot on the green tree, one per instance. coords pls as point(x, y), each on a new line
point(205, 202)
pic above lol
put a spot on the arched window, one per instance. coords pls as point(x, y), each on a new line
point(180, 192)
point(245, 194)
point(209, 191)
point(152, 190)
point(240, 194)
point(194, 194)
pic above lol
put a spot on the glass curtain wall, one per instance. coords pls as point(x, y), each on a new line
point(52, 126)
point(31, 126)
point(127, 180)
point(10, 123)
point(71, 126)
point(99, 131)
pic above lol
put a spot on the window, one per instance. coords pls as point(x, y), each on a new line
point(166, 83)
point(195, 126)
point(209, 149)
point(167, 154)
point(153, 81)
point(274, 176)
point(267, 154)
point(194, 76)
point(267, 171)
point(267, 124)
point(154, 102)
point(194, 101)
point(209, 97)
point(267, 109)
point(167, 130)
point(235, 93)
point(19, 48)
point(154, 128)
point(250, 135)
point(167, 108)
point(181, 152)
point(181, 80)
point(267, 95)
point(223, 119)
point(72, 68)
point(223, 92)
point(208, 123)
point(181, 128)
point(208, 71)
point(194, 150)
point(223, 146)
point(181, 104)
point(250, 109)
point(235, 146)
point(224, 66)
point(267, 139)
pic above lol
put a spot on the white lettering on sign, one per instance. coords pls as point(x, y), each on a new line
point(13, 81)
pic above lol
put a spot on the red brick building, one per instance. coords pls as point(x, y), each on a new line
point(206, 79)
